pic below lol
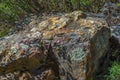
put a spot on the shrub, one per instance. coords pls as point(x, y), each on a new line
point(3, 31)
point(114, 72)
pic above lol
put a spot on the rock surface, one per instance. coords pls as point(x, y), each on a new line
point(116, 32)
point(65, 47)
point(112, 15)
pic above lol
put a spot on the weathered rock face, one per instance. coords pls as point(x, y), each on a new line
point(67, 47)
point(116, 32)
point(112, 15)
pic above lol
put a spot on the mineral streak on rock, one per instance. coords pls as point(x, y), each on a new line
point(67, 47)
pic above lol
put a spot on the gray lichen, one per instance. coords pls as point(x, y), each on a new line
point(78, 54)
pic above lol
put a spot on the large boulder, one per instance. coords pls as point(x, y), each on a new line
point(66, 47)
